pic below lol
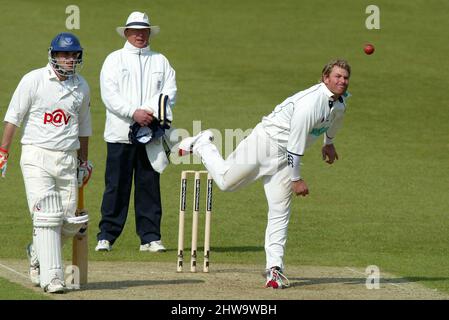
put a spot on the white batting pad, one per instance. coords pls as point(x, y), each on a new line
point(47, 220)
point(49, 203)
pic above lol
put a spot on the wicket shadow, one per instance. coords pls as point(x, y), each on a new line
point(125, 284)
point(238, 249)
point(300, 282)
point(224, 249)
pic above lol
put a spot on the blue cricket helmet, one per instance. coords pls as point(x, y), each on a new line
point(65, 42)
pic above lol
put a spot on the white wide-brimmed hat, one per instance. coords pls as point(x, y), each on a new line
point(138, 20)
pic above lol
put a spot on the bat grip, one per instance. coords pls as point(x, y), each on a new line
point(81, 198)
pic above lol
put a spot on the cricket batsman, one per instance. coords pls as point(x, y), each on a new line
point(52, 106)
point(273, 151)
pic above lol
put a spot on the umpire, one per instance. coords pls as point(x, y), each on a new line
point(129, 80)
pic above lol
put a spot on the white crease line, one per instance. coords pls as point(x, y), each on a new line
point(355, 271)
point(12, 270)
point(385, 280)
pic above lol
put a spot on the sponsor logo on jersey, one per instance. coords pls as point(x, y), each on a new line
point(56, 118)
point(318, 131)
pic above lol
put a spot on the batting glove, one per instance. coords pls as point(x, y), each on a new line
point(84, 172)
point(3, 161)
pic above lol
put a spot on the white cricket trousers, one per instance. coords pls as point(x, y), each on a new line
point(46, 170)
point(257, 156)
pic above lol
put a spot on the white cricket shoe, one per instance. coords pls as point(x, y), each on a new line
point(55, 286)
point(153, 246)
point(276, 279)
point(103, 245)
point(34, 265)
point(188, 145)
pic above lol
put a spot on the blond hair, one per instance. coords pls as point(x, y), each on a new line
point(331, 64)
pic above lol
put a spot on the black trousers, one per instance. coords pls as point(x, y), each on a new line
point(123, 162)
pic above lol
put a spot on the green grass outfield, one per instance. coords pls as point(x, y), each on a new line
point(384, 203)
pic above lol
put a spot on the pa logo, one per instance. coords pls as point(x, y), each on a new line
point(57, 118)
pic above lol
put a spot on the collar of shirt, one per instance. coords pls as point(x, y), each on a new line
point(51, 74)
point(132, 49)
point(326, 91)
point(330, 95)
point(70, 83)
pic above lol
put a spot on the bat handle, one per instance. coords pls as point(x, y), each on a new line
point(83, 231)
point(81, 198)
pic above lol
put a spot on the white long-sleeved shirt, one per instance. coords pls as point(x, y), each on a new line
point(129, 78)
point(300, 119)
point(52, 113)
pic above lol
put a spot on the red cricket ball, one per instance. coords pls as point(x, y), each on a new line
point(369, 48)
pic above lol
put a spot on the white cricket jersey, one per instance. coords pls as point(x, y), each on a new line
point(129, 78)
point(299, 120)
point(52, 113)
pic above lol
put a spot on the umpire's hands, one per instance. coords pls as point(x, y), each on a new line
point(329, 152)
point(300, 188)
point(143, 117)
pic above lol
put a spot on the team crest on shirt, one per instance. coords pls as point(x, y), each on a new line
point(57, 118)
point(68, 41)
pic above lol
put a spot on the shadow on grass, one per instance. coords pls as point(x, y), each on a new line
point(299, 282)
point(120, 285)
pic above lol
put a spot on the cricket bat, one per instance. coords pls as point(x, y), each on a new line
point(80, 245)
